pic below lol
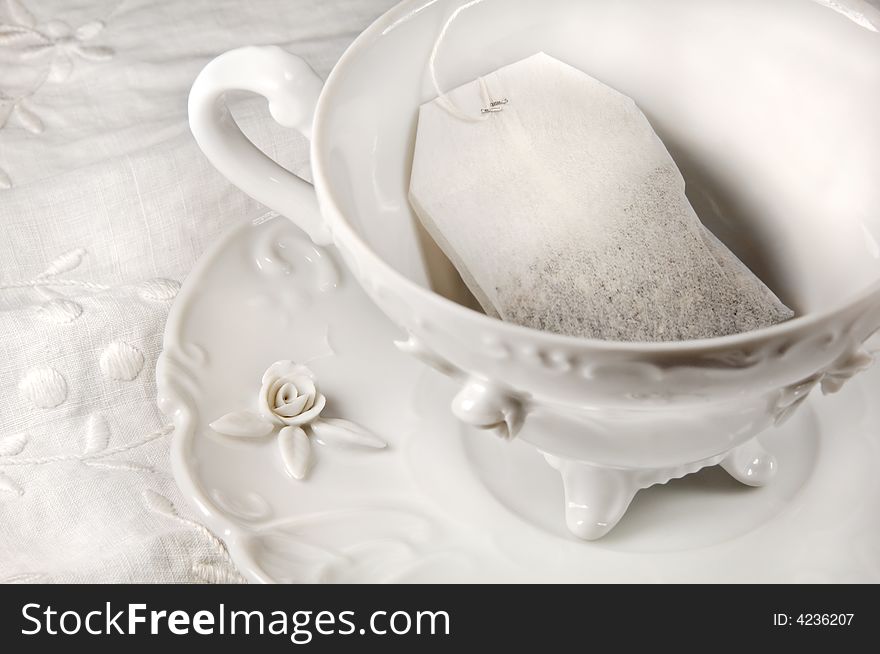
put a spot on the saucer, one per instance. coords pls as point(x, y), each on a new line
point(403, 492)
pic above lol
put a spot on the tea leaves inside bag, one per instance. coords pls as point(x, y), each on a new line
point(562, 210)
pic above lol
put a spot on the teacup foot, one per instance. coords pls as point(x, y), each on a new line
point(595, 498)
point(750, 464)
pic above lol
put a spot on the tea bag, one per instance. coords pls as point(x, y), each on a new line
point(562, 210)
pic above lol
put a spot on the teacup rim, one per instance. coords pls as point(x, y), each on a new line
point(391, 19)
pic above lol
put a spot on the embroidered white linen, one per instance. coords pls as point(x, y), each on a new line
point(106, 203)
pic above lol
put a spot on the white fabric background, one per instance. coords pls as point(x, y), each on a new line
point(105, 204)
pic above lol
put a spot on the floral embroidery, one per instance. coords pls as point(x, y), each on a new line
point(12, 445)
point(9, 488)
point(158, 289)
point(20, 111)
point(66, 44)
point(121, 361)
point(26, 578)
point(217, 569)
point(61, 309)
point(56, 45)
point(94, 451)
point(43, 54)
point(44, 387)
point(58, 309)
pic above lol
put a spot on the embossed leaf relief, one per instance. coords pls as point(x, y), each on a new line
point(296, 451)
point(831, 381)
point(364, 544)
point(242, 424)
point(289, 407)
point(835, 379)
point(296, 265)
point(249, 506)
point(336, 432)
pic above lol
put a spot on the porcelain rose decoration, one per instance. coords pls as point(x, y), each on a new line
point(290, 402)
point(289, 396)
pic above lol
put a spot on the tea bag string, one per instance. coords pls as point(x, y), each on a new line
point(443, 98)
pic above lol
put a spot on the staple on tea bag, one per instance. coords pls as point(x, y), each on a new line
point(562, 210)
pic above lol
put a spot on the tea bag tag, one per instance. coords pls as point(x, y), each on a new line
point(562, 210)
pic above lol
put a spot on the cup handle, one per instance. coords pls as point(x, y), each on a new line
point(292, 89)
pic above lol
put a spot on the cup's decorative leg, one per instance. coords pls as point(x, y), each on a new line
point(595, 498)
point(750, 464)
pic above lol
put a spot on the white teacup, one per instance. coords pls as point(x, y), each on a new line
point(770, 110)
